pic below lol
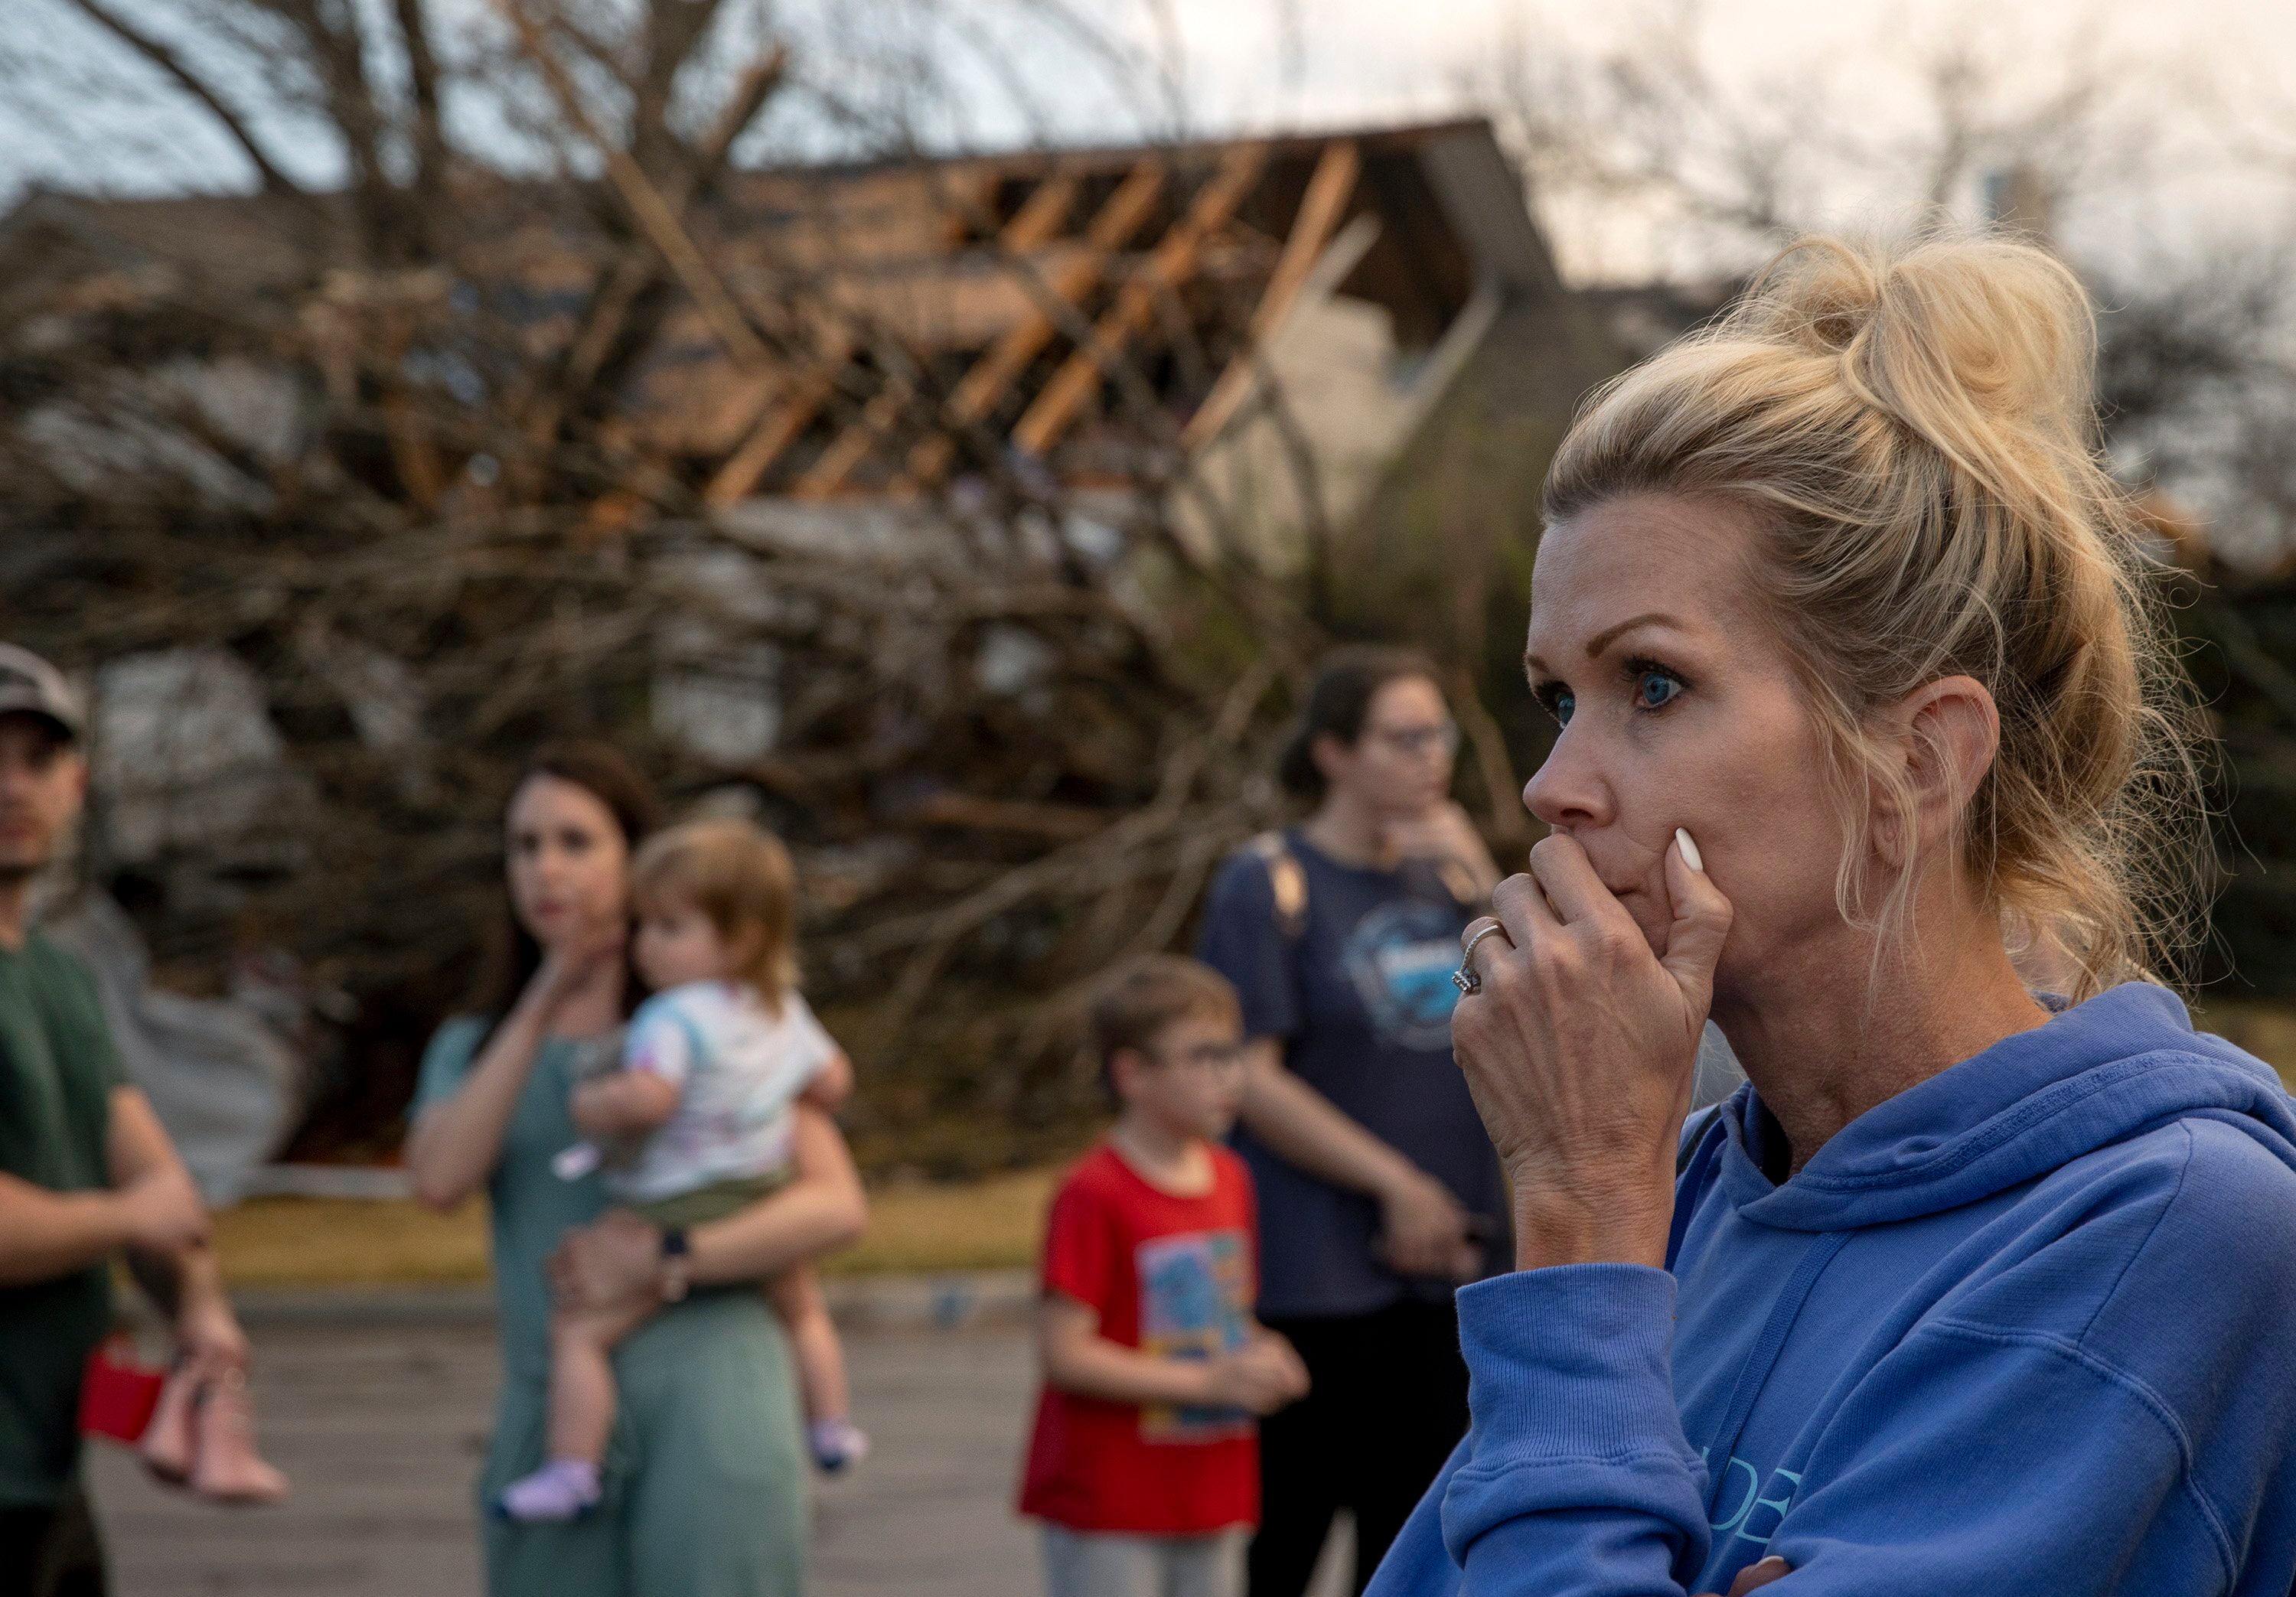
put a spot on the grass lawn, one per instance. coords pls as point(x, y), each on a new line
point(973, 1226)
point(331, 1241)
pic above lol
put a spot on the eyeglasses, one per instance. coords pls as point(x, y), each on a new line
point(1213, 1058)
point(1417, 743)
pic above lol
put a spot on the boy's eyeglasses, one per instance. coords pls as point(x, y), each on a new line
point(1213, 1058)
point(1417, 743)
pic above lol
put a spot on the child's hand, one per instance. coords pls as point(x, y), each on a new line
point(586, 1108)
point(1258, 1378)
point(624, 1103)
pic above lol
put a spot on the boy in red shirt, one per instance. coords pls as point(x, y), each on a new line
point(1145, 1462)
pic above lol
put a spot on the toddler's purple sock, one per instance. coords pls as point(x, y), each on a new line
point(837, 1444)
point(564, 1488)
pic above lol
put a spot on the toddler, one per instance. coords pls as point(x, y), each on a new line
point(696, 1125)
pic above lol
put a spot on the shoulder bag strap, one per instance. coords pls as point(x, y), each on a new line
point(1287, 880)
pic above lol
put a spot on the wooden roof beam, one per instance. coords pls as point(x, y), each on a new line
point(1043, 215)
point(992, 376)
point(1326, 201)
point(851, 447)
point(1038, 222)
point(1079, 377)
point(788, 418)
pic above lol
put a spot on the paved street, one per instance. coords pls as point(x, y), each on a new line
point(382, 1427)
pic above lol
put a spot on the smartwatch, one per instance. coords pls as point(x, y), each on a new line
point(676, 1262)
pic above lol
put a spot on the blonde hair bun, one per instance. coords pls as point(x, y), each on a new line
point(1991, 322)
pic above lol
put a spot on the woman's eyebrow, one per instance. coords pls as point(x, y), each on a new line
point(1603, 639)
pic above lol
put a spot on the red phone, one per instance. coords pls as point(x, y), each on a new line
point(116, 1395)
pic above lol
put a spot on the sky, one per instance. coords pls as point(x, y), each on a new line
point(1372, 57)
point(2197, 81)
point(2194, 78)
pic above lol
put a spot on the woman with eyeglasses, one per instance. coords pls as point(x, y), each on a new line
point(1379, 1192)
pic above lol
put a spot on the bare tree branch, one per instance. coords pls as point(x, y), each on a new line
point(273, 181)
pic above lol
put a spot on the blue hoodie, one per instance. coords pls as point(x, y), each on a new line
point(2028, 1328)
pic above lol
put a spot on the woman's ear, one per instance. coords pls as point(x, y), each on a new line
point(1952, 730)
point(1333, 758)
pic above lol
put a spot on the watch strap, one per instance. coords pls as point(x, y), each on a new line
point(676, 1262)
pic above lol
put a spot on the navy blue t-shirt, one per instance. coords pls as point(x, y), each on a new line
point(1361, 1001)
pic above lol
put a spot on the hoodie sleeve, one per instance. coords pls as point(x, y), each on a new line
point(2104, 1409)
point(1575, 1477)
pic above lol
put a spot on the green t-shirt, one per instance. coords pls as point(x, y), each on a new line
point(57, 1071)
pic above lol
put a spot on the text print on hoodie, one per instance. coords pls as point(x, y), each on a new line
point(2028, 1328)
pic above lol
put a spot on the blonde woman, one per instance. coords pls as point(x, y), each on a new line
point(1972, 1288)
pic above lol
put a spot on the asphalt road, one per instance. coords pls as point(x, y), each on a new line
point(382, 1426)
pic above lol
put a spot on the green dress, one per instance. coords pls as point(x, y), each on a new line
point(705, 1481)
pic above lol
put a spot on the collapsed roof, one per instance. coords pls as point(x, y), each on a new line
point(1083, 311)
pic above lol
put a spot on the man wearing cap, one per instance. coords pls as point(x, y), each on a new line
point(86, 1171)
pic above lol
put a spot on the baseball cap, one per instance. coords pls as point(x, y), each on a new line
point(30, 686)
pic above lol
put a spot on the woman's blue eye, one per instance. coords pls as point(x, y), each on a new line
point(1565, 703)
point(1656, 688)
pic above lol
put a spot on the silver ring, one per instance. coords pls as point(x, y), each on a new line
point(1466, 978)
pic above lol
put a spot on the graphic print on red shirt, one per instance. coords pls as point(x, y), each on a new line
point(1174, 1277)
point(1195, 1302)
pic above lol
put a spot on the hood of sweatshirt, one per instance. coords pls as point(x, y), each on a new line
point(2123, 1062)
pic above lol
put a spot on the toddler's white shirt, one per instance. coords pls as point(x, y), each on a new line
point(738, 1068)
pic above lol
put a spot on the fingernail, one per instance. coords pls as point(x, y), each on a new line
point(1689, 850)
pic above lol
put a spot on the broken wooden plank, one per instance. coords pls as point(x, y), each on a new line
point(1039, 219)
point(788, 418)
point(985, 385)
point(1326, 201)
point(1079, 377)
point(851, 447)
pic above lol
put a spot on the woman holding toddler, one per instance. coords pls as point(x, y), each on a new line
point(702, 1488)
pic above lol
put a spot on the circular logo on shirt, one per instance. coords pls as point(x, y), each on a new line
point(1399, 959)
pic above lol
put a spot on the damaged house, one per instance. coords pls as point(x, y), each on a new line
point(887, 495)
